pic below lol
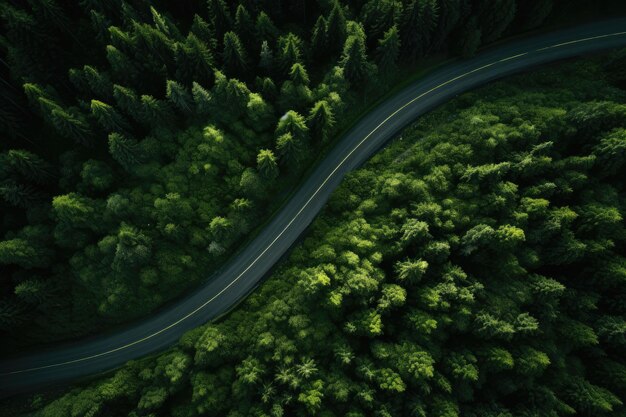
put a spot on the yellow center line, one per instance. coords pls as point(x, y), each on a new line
point(581, 40)
point(143, 339)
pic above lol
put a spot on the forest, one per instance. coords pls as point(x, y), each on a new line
point(474, 267)
point(143, 143)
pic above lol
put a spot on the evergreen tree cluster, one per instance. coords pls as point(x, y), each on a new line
point(473, 268)
point(141, 140)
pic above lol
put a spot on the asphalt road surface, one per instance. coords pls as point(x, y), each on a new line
point(75, 360)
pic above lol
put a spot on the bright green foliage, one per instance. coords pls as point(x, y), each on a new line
point(295, 124)
point(267, 164)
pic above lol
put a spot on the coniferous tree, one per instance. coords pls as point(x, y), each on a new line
point(336, 28)
point(321, 121)
point(221, 20)
point(289, 52)
point(244, 25)
point(266, 164)
point(354, 61)
point(126, 100)
point(289, 149)
point(28, 165)
point(201, 98)
point(319, 42)
point(124, 150)
point(265, 28)
point(234, 56)
point(294, 123)
point(202, 30)
point(266, 61)
point(108, 117)
point(194, 61)
point(388, 51)
point(379, 16)
point(179, 96)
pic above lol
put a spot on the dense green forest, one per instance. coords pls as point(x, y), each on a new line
point(475, 267)
point(142, 141)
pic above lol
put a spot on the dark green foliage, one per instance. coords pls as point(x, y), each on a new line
point(429, 284)
point(234, 55)
point(130, 126)
point(321, 120)
point(335, 28)
point(388, 51)
point(354, 60)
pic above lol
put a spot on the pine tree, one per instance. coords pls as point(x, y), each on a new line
point(318, 38)
point(201, 99)
point(244, 25)
point(108, 117)
point(293, 123)
point(70, 124)
point(289, 52)
point(234, 56)
point(378, 16)
point(122, 66)
point(266, 61)
point(124, 150)
point(154, 112)
point(354, 61)
point(449, 16)
point(202, 30)
point(126, 99)
point(429, 16)
point(299, 75)
point(388, 51)
point(336, 28)
point(289, 149)
point(28, 165)
point(99, 82)
point(179, 96)
point(265, 28)
point(321, 120)
point(220, 18)
point(266, 164)
point(194, 61)
point(409, 30)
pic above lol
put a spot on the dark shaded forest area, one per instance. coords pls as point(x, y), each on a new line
point(142, 141)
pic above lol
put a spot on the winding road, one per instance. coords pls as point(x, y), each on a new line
point(31, 371)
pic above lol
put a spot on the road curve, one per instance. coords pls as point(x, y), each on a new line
point(240, 275)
